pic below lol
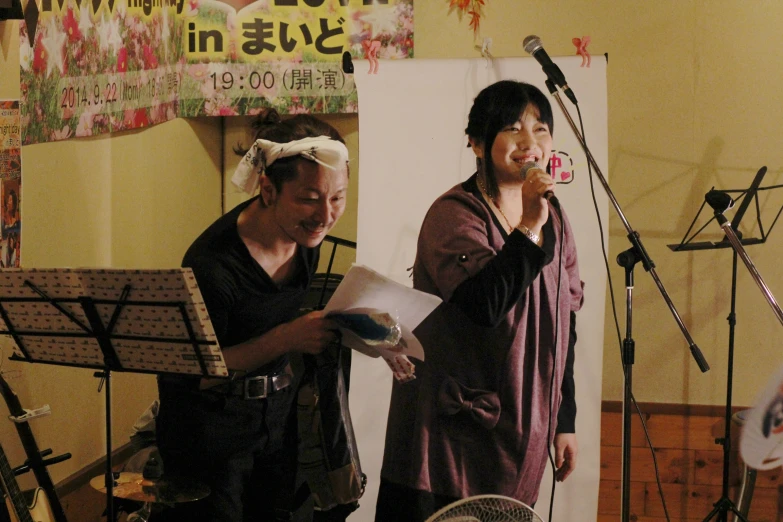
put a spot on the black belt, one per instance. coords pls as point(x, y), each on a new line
point(256, 386)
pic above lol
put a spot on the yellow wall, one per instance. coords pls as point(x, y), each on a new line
point(693, 92)
point(693, 96)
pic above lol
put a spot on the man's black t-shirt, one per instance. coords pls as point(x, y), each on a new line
point(242, 300)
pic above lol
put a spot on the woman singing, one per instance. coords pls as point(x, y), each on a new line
point(497, 387)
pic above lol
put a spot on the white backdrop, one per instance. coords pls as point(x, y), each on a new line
point(412, 148)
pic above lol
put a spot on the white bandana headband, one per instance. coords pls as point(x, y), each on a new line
point(322, 149)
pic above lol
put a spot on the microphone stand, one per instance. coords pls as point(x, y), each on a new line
point(641, 255)
point(627, 260)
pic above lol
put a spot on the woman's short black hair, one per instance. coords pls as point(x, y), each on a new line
point(497, 107)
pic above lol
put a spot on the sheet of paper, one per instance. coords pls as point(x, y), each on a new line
point(363, 289)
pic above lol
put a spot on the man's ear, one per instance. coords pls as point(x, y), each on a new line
point(268, 191)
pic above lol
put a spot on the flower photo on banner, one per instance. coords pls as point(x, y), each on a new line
point(91, 72)
point(102, 66)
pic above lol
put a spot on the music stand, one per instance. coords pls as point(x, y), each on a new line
point(725, 504)
point(330, 281)
point(142, 321)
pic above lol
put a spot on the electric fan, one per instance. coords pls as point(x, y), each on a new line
point(486, 508)
point(761, 444)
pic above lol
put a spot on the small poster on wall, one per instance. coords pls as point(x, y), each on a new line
point(11, 222)
point(10, 139)
point(10, 183)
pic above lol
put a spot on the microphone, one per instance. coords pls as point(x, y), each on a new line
point(534, 46)
point(549, 195)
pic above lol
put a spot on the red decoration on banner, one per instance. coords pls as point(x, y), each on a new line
point(371, 53)
point(473, 8)
point(581, 49)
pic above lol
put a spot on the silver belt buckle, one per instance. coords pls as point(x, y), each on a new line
point(253, 379)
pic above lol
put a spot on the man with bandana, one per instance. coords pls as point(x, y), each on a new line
point(254, 266)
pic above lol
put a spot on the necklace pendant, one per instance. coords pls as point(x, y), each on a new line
point(494, 203)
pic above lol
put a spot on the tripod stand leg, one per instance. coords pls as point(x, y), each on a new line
point(714, 512)
point(722, 508)
point(737, 515)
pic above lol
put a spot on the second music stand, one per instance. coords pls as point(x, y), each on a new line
point(724, 505)
point(143, 321)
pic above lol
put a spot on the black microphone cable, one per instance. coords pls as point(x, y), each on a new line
point(554, 361)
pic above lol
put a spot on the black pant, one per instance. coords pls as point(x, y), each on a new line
point(397, 503)
point(244, 450)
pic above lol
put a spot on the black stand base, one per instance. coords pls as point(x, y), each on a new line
point(722, 508)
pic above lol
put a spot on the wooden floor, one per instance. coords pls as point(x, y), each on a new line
point(83, 503)
point(689, 461)
point(86, 504)
point(690, 465)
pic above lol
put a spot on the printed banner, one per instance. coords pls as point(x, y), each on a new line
point(94, 72)
point(95, 66)
point(10, 184)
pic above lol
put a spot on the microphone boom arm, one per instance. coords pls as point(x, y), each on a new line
point(633, 237)
point(736, 244)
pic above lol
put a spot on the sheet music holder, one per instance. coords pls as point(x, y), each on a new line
point(747, 196)
point(141, 321)
point(724, 504)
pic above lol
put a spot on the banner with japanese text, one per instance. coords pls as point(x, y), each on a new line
point(95, 66)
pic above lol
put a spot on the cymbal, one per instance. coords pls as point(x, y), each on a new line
point(165, 490)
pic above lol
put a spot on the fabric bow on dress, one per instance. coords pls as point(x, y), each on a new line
point(482, 406)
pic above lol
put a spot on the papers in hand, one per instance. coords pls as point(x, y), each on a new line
point(377, 317)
